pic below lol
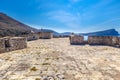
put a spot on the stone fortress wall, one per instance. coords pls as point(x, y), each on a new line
point(76, 39)
point(36, 36)
point(45, 35)
point(96, 40)
point(12, 43)
point(32, 36)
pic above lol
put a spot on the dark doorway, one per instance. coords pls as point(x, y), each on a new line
point(7, 43)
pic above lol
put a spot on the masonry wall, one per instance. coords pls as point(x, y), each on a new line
point(13, 43)
point(95, 40)
point(74, 39)
point(32, 36)
point(119, 41)
point(17, 43)
point(103, 40)
point(2, 45)
point(45, 35)
point(115, 41)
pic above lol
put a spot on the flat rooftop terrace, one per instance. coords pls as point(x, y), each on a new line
point(56, 59)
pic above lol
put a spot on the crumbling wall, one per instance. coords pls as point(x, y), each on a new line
point(45, 35)
point(75, 39)
point(12, 43)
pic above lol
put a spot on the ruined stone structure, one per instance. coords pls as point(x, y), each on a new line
point(12, 43)
point(76, 39)
point(45, 35)
point(32, 36)
point(96, 40)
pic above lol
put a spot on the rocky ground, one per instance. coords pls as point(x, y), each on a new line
point(56, 59)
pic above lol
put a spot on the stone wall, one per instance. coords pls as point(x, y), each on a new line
point(32, 36)
point(119, 41)
point(45, 35)
point(96, 40)
point(115, 41)
point(2, 45)
point(75, 39)
point(12, 43)
point(103, 40)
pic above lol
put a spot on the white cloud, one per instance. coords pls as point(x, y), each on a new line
point(68, 19)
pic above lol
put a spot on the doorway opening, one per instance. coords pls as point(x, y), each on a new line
point(85, 39)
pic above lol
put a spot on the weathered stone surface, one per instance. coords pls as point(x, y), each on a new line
point(12, 43)
point(32, 36)
point(103, 40)
point(45, 35)
point(75, 39)
point(2, 45)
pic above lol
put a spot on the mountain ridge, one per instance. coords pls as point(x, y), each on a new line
point(12, 27)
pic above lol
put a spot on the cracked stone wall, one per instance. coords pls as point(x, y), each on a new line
point(75, 39)
point(12, 43)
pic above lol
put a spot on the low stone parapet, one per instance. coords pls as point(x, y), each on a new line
point(12, 43)
point(76, 39)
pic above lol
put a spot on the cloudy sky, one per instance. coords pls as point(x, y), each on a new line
point(65, 15)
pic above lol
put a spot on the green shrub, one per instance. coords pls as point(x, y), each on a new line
point(33, 69)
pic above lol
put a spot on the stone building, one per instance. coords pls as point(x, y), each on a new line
point(45, 35)
point(12, 43)
point(76, 39)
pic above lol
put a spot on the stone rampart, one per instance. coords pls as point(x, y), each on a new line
point(76, 39)
point(12, 43)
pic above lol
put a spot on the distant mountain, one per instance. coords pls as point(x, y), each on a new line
point(110, 32)
point(66, 33)
point(12, 27)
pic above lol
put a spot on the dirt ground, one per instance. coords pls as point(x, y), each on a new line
point(56, 59)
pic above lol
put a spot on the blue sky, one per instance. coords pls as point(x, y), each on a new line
point(65, 15)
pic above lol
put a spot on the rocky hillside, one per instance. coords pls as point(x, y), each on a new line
point(12, 27)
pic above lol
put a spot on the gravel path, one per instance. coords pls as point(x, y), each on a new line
point(56, 59)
